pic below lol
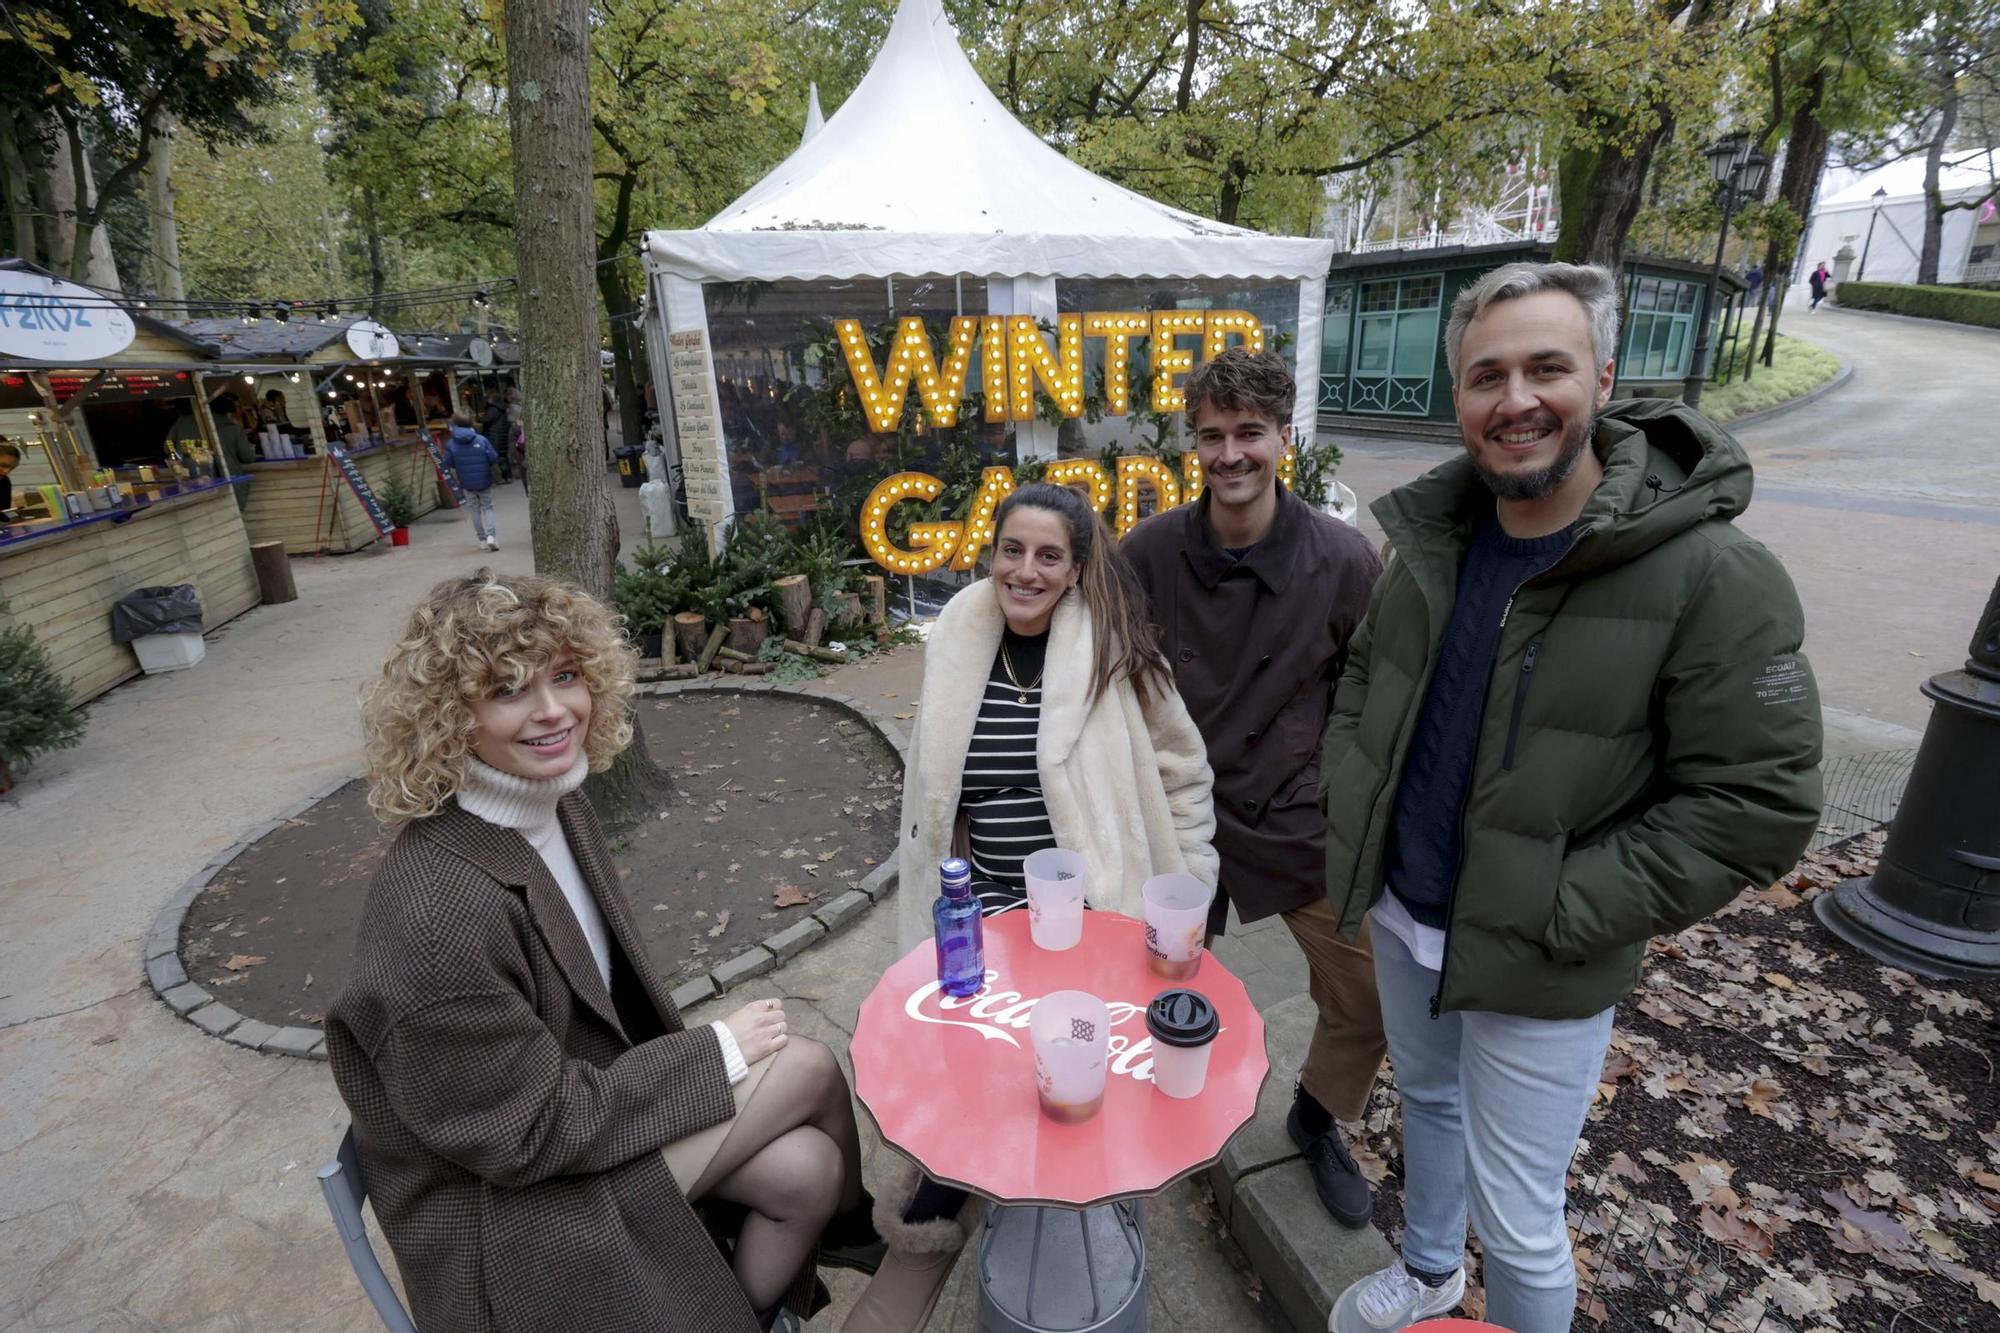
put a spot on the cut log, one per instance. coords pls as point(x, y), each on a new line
point(794, 602)
point(747, 633)
point(876, 596)
point(274, 572)
point(815, 627)
point(850, 608)
point(715, 639)
point(679, 671)
point(815, 652)
point(728, 654)
point(690, 632)
point(745, 668)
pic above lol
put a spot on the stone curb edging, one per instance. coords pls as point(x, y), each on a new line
point(196, 1003)
point(1818, 391)
point(201, 1007)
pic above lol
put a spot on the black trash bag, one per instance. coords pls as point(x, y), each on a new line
point(175, 610)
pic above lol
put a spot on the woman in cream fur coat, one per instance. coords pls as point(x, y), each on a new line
point(1056, 641)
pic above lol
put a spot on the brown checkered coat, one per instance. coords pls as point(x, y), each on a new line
point(508, 1128)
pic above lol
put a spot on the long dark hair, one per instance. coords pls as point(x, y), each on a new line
point(1121, 632)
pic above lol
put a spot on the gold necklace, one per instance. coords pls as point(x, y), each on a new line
point(1007, 664)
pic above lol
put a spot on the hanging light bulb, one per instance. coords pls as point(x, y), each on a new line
point(249, 379)
point(282, 312)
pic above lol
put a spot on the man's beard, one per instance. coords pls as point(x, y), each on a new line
point(1543, 481)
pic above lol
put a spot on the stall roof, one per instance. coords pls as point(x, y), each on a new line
point(1904, 180)
point(232, 340)
point(922, 169)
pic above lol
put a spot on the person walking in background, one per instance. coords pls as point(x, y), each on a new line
point(1256, 595)
point(1575, 716)
point(493, 425)
point(1817, 281)
point(474, 461)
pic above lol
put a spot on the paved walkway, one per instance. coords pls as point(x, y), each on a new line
point(151, 1177)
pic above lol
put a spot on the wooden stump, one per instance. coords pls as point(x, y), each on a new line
point(794, 602)
point(876, 597)
point(690, 633)
point(850, 607)
point(748, 632)
point(815, 627)
point(274, 572)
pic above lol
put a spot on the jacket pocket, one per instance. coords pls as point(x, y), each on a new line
point(1523, 680)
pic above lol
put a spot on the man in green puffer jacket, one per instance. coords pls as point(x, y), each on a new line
point(1576, 716)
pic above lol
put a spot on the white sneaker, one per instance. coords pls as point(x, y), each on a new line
point(493, 543)
point(1393, 1299)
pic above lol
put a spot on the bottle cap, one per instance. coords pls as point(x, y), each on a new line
point(1182, 1017)
point(955, 876)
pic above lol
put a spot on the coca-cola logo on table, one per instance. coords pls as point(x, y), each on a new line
point(997, 1015)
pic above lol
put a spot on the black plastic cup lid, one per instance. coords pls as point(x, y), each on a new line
point(1182, 1018)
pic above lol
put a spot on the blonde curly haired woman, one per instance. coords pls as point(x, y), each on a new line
point(533, 1118)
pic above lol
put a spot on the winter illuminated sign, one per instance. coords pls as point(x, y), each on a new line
point(370, 341)
point(957, 542)
point(46, 319)
point(1016, 357)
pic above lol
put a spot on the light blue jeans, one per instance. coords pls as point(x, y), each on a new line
point(483, 523)
point(1492, 1106)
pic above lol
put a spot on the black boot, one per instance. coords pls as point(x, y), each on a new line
point(850, 1239)
point(1341, 1187)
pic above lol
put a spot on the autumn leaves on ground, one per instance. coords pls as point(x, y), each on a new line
point(1788, 1136)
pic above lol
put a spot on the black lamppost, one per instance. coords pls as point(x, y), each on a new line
point(1740, 171)
point(1879, 195)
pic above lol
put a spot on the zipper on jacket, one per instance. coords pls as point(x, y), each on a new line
point(1520, 702)
point(1458, 869)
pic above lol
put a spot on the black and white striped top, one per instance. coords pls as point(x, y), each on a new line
point(1002, 789)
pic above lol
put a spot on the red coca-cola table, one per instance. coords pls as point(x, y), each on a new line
point(951, 1082)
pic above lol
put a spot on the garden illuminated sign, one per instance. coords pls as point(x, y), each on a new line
point(1016, 357)
point(957, 542)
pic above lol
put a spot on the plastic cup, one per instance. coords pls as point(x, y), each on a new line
point(1176, 924)
point(1055, 898)
point(1182, 1024)
point(1071, 1034)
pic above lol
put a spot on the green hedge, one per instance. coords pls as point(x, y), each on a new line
point(1960, 305)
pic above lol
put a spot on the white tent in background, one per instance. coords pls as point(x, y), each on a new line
point(924, 192)
point(815, 118)
point(1969, 246)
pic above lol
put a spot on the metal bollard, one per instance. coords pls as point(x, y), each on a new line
point(1933, 905)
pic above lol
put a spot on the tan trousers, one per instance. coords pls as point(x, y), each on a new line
point(1347, 1042)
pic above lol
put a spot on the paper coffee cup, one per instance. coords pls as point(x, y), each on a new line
point(1183, 1024)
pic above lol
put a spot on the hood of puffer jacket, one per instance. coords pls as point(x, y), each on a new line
point(1666, 468)
point(463, 435)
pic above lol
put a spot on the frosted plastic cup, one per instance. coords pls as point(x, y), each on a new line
point(1071, 1033)
point(1182, 1024)
point(1055, 898)
point(1176, 924)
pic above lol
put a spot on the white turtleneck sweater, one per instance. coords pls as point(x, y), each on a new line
point(528, 806)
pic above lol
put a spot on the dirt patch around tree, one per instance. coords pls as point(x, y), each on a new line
point(1788, 1136)
point(783, 803)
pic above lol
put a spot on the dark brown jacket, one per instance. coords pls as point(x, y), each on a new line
point(1256, 646)
point(508, 1111)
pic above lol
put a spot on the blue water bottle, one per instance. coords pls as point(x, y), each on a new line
point(961, 935)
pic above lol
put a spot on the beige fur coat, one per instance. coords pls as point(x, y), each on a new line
point(1127, 785)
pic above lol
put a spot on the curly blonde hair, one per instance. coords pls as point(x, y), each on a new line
point(468, 637)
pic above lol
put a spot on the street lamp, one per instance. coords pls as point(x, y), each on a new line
point(1739, 171)
point(1879, 195)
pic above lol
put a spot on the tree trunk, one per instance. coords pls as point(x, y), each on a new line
point(378, 266)
point(20, 188)
point(1934, 210)
point(618, 301)
point(574, 528)
point(163, 227)
point(1602, 189)
point(1805, 160)
point(88, 247)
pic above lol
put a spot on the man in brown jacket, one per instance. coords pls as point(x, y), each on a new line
point(1256, 595)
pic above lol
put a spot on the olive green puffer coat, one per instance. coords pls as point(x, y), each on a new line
point(1651, 739)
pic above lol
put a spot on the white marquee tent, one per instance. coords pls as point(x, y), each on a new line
point(1970, 235)
point(922, 181)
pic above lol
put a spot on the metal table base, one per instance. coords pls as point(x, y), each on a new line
point(1063, 1270)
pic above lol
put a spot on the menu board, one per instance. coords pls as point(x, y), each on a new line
point(698, 425)
point(359, 485)
point(445, 474)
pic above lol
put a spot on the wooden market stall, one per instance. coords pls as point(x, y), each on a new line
point(309, 386)
point(120, 483)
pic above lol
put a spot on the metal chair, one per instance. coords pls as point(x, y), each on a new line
point(341, 1182)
